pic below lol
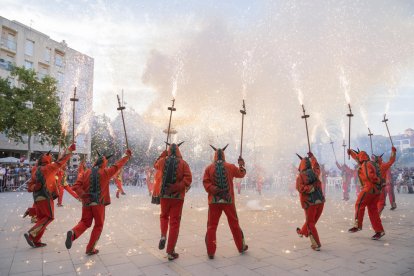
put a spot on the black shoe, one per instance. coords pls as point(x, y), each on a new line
point(244, 249)
point(39, 244)
point(377, 236)
point(393, 206)
point(161, 245)
point(211, 257)
point(354, 229)
point(69, 240)
point(29, 239)
point(26, 213)
point(298, 231)
point(93, 252)
point(172, 256)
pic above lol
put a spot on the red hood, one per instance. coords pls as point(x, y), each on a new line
point(305, 164)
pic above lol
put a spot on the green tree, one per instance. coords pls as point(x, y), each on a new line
point(31, 108)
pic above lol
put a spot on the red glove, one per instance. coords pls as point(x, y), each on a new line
point(72, 147)
point(310, 154)
point(394, 149)
point(128, 153)
point(241, 162)
point(349, 151)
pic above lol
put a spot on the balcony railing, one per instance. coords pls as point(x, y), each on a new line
point(8, 44)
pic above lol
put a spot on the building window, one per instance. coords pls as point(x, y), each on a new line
point(8, 41)
point(29, 47)
point(43, 72)
point(47, 54)
point(60, 78)
point(28, 64)
point(6, 64)
point(59, 60)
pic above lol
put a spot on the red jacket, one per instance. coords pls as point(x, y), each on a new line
point(308, 184)
point(183, 176)
point(216, 194)
point(367, 173)
point(83, 186)
point(48, 172)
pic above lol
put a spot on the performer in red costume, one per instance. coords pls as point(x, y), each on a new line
point(43, 186)
point(118, 182)
point(347, 174)
point(175, 181)
point(237, 183)
point(150, 179)
point(385, 169)
point(311, 198)
point(93, 189)
point(63, 185)
point(370, 179)
point(218, 182)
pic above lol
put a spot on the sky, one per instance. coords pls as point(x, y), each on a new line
point(212, 54)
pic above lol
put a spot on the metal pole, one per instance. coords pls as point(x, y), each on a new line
point(350, 115)
point(305, 116)
point(333, 149)
point(243, 112)
point(73, 100)
point(344, 145)
point(171, 109)
point(121, 108)
point(389, 135)
point(370, 140)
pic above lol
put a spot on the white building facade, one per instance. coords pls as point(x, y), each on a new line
point(20, 46)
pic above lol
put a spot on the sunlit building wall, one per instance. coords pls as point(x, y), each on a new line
point(20, 45)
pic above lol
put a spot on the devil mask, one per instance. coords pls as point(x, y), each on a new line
point(219, 153)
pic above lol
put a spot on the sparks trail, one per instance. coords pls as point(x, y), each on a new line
point(121, 108)
point(350, 115)
point(243, 112)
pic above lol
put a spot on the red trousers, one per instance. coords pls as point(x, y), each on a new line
point(90, 213)
point(345, 189)
point(312, 214)
point(370, 201)
point(214, 213)
point(171, 210)
point(62, 189)
point(45, 215)
point(119, 186)
point(387, 190)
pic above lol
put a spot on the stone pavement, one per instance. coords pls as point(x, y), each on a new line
point(129, 242)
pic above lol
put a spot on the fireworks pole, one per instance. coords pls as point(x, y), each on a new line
point(306, 116)
point(333, 150)
point(121, 108)
point(171, 109)
point(73, 100)
point(350, 115)
point(344, 145)
point(243, 112)
point(370, 139)
point(389, 135)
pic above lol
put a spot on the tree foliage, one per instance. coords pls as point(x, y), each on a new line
point(30, 108)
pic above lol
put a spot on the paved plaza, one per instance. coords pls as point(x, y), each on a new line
point(129, 242)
